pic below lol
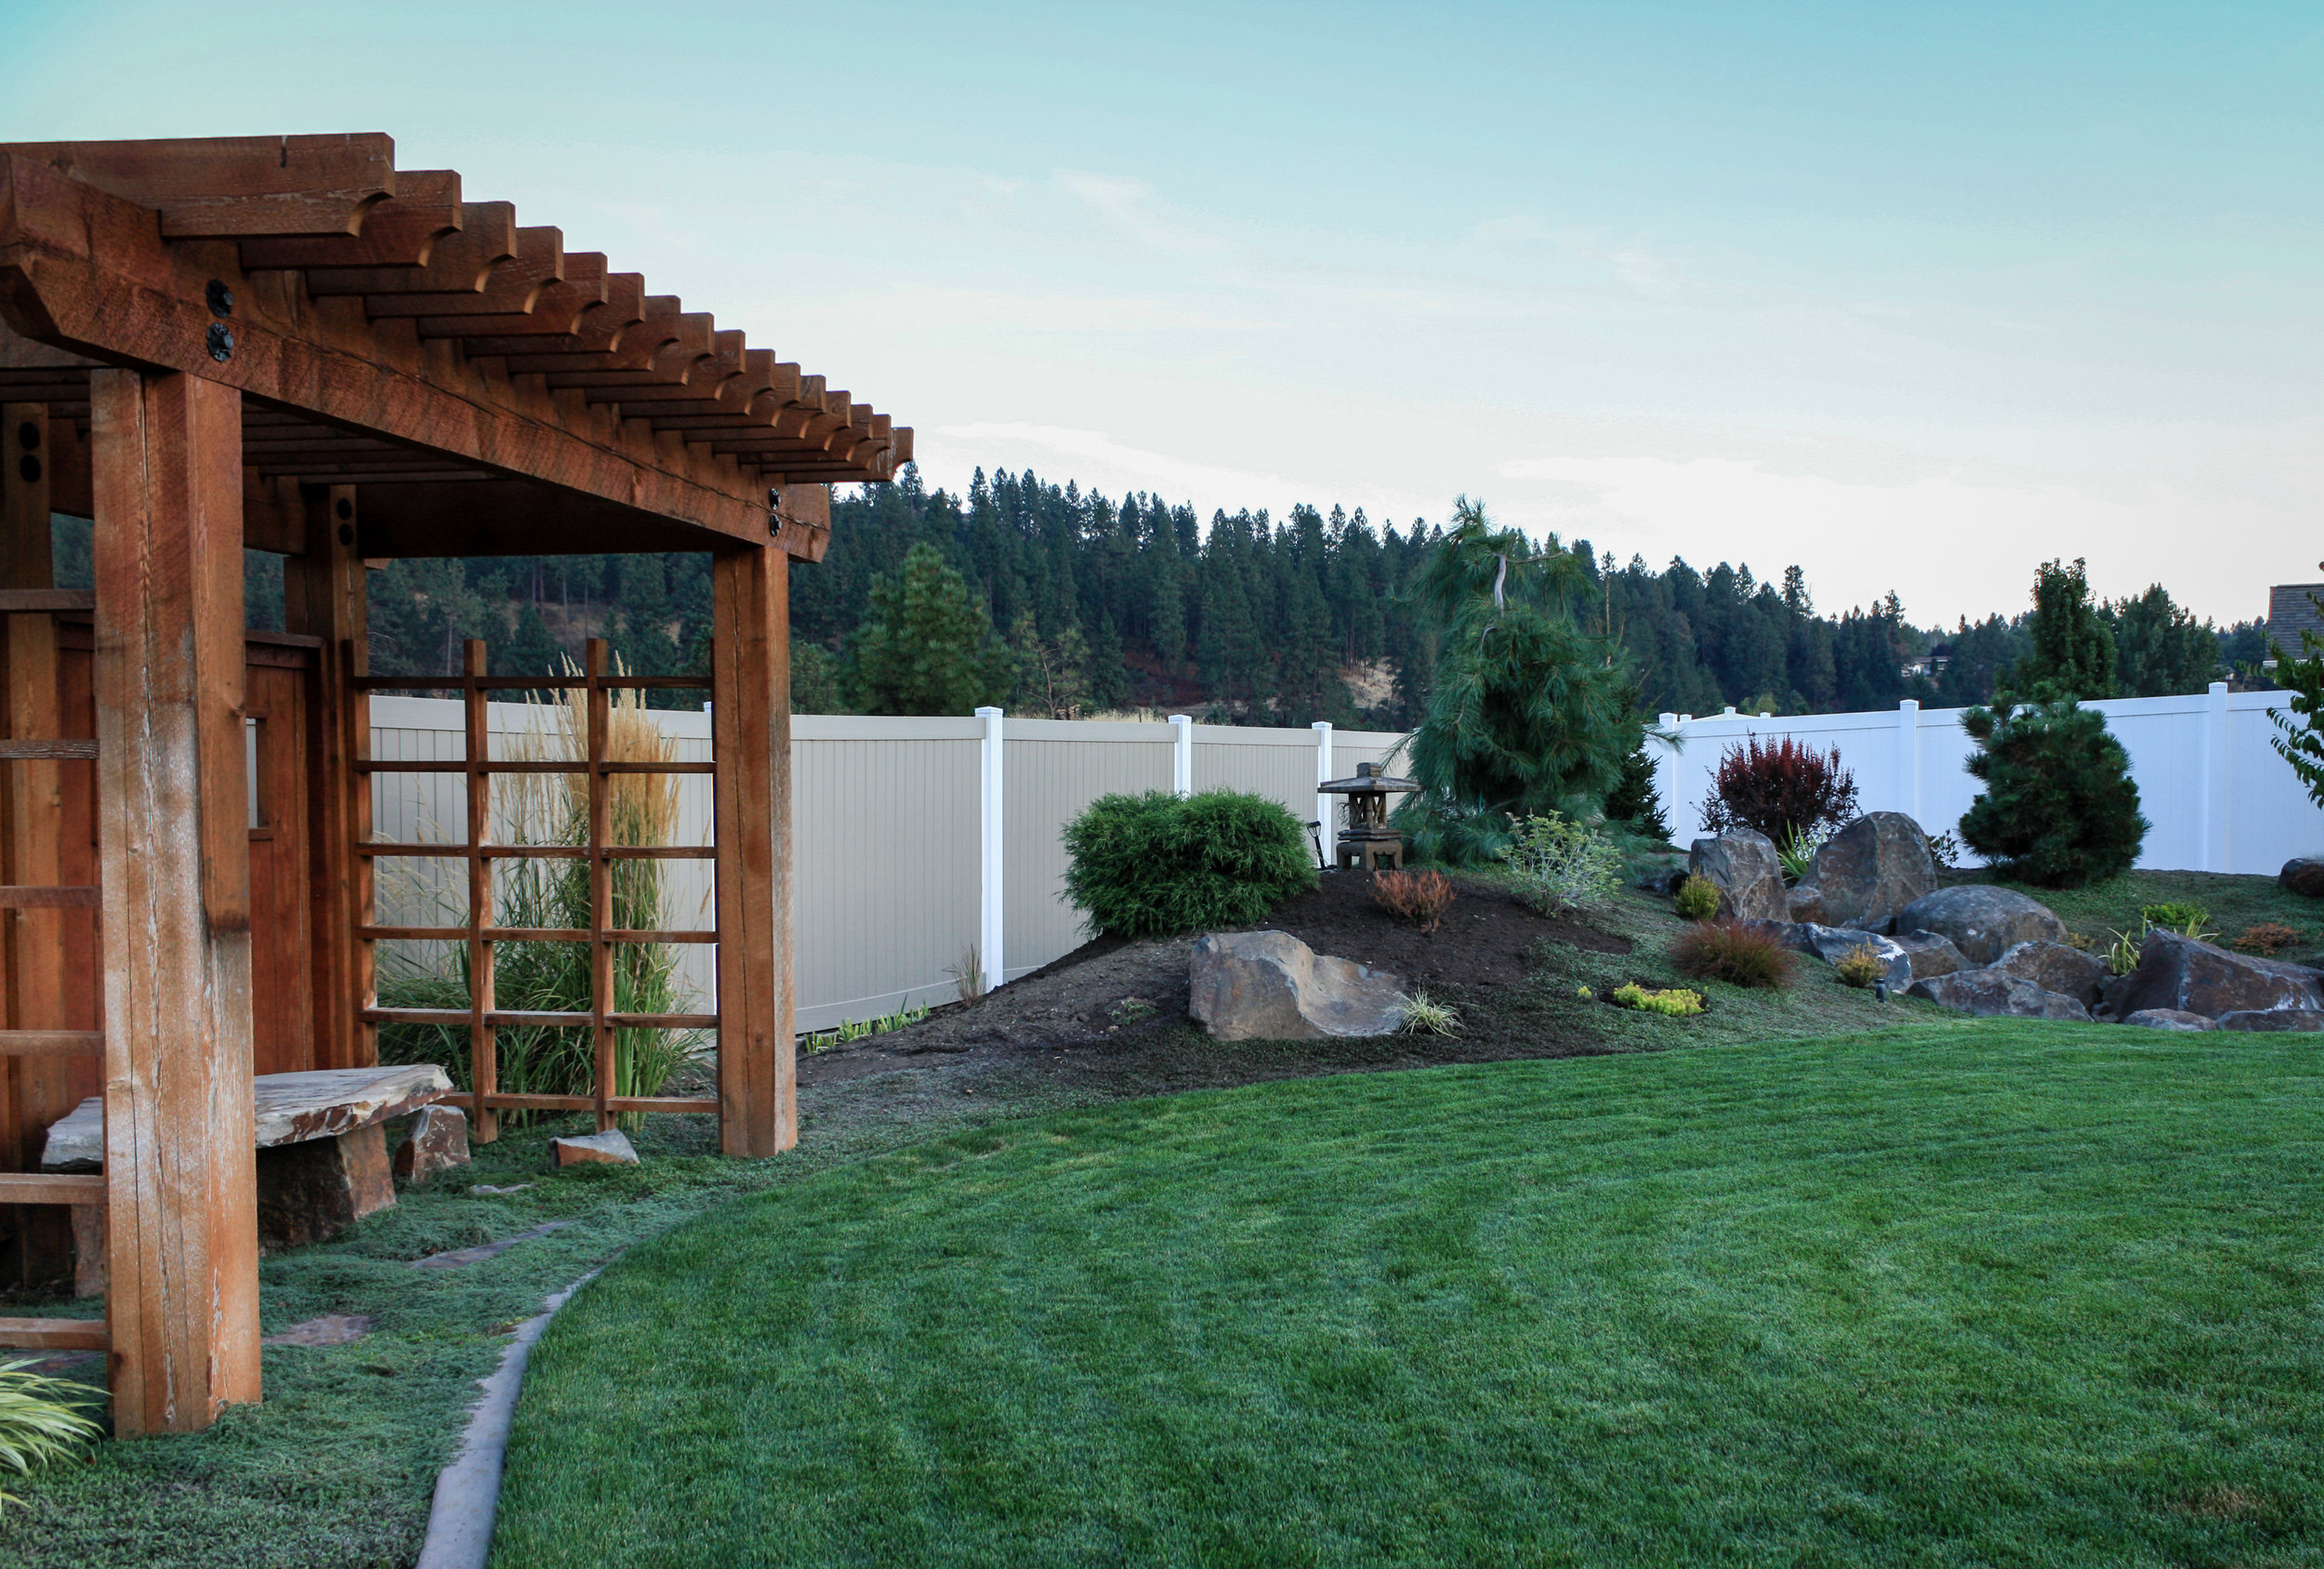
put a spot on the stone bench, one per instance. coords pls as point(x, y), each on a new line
point(322, 1154)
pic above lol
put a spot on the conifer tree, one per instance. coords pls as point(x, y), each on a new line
point(2072, 648)
point(926, 646)
point(2160, 649)
point(2060, 808)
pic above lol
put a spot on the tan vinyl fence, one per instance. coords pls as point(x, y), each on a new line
point(890, 824)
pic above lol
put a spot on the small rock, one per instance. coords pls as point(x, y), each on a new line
point(2169, 1018)
point(331, 1329)
point(1807, 905)
point(1749, 873)
point(438, 1141)
point(1269, 985)
point(1983, 921)
point(484, 1250)
point(1995, 994)
point(1833, 944)
point(2274, 1018)
point(1872, 868)
point(1930, 954)
point(2057, 966)
point(611, 1147)
point(2180, 973)
point(2303, 875)
point(488, 1188)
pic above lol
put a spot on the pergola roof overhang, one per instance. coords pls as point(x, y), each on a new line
point(493, 392)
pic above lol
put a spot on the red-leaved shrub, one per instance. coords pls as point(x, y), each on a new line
point(1782, 789)
point(1731, 952)
point(1419, 897)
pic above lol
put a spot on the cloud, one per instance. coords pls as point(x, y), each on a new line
point(1131, 204)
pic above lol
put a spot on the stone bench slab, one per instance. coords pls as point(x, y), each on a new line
point(291, 1109)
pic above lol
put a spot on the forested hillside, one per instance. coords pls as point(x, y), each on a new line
point(1097, 605)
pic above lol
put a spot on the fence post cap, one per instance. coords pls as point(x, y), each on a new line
point(1181, 718)
point(2218, 689)
point(990, 713)
point(1321, 724)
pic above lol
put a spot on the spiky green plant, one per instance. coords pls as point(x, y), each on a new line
point(40, 1420)
point(554, 977)
point(1530, 713)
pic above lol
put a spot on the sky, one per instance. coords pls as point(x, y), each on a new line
point(1914, 296)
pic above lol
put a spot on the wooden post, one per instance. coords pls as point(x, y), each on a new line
point(483, 1040)
point(597, 747)
point(324, 596)
point(750, 727)
point(172, 852)
point(36, 1090)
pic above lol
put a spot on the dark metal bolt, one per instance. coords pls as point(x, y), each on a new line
point(28, 436)
point(347, 531)
point(346, 509)
point(221, 342)
point(221, 298)
point(29, 467)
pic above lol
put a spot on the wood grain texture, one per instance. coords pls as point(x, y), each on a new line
point(55, 1333)
point(326, 598)
point(283, 1012)
point(208, 187)
point(750, 729)
point(181, 1234)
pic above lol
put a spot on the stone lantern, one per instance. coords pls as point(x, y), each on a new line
point(1367, 842)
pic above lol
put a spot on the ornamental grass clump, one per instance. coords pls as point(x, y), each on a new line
point(1424, 1015)
point(1421, 898)
point(1784, 790)
point(2268, 938)
point(40, 1420)
point(1151, 864)
point(1730, 952)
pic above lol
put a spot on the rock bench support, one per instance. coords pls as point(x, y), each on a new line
point(322, 1154)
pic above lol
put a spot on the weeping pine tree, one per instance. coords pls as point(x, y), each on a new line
point(1529, 713)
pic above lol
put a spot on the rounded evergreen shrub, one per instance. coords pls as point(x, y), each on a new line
point(1146, 866)
point(2060, 808)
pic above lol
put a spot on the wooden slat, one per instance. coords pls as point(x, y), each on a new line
point(528, 934)
point(751, 729)
point(456, 1018)
point(400, 232)
point(181, 1221)
point(55, 1335)
point(406, 765)
point(15, 601)
point(50, 1187)
point(618, 1103)
point(236, 187)
point(48, 751)
point(51, 1043)
point(547, 852)
point(595, 660)
point(476, 751)
point(458, 264)
point(513, 285)
point(18, 897)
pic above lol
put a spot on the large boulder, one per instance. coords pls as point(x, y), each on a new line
point(2056, 966)
point(2181, 972)
point(2274, 1018)
point(1269, 985)
point(1749, 873)
point(2305, 876)
point(2169, 1018)
point(1803, 903)
point(1989, 992)
point(1833, 944)
point(438, 1141)
point(1871, 869)
point(1983, 921)
point(1930, 954)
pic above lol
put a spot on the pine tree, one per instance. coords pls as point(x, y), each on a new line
point(2072, 648)
point(2059, 806)
point(2160, 649)
point(530, 651)
point(925, 645)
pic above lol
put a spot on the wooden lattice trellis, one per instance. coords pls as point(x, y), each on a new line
point(481, 936)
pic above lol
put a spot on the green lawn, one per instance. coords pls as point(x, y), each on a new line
point(1989, 1292)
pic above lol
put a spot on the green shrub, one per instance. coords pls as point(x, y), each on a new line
point(1562, 866)
point(1677, 1002)
point(1146, 866)
point(1860, 965)
point(1635, 801)
point(1698, 898)
point(1731, 952)
point(2059, 805)
point(2185, 919)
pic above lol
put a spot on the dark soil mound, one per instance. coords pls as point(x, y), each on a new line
point(1488, 938)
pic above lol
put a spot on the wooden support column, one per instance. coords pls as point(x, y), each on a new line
point(750, 730)
point(326, 596)
point(34, 1090)
point(172, 850)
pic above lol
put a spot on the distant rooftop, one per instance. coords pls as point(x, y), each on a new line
point(2290, 613)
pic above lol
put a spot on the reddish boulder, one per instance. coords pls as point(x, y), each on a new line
point(438, 1141)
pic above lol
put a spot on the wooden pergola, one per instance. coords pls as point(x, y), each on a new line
point(287, 344)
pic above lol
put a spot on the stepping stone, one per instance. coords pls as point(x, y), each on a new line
point(331, 1329)
point(611, 1147)
point(482, 1251)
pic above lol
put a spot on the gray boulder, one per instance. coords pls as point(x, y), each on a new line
point(1930, 954)
point(1748, 872)
point(1983, 921)
point(1804, 903)
point(2274, 1018)
point(2056, 966)
point(2303, 875)
point(2169, 1018)
point(1269, 985)
point(1872, 868)
point(1832, 943)
point(2180, 973)
point(1991, 993)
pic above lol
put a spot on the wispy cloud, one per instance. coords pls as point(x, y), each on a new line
point(1132, 205)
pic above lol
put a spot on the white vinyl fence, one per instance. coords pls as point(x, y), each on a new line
point(2220, 799)
point(922, 848)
